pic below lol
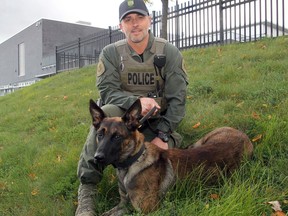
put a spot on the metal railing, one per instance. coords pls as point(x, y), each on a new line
point(197, 23)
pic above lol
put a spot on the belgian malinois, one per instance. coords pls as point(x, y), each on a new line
point(145, 171)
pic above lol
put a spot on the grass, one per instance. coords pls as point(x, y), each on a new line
point(43, 128)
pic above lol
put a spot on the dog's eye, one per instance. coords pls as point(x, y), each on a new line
point(117, 137)
point(99, 134)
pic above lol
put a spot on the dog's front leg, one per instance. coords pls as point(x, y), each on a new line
point(121, 208)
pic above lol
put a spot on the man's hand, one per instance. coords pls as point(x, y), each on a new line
point(157, 141)
point(147, 104)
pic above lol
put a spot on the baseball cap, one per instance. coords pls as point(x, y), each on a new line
point(132, 6)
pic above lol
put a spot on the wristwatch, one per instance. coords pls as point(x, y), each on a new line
point(163, 136)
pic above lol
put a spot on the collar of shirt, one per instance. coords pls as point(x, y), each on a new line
point(150, 50)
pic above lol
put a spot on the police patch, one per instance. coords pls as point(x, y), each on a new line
point(100, 68)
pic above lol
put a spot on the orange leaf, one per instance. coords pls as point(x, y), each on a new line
point(35, 192)
point(214, 196)
point(255, 115)
point(278, 213)
point(196, 125)
point(32, 176)
point(258, 137)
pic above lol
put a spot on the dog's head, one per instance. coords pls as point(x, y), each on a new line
point(117, 138)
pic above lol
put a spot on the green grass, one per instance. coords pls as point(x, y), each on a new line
point(43, 128)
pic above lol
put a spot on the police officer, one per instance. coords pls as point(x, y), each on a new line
point(140, 66)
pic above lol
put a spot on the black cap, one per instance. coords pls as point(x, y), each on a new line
point(132, 6)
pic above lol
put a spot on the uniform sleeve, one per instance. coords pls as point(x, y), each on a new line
point(176, 82)
point(108, 79)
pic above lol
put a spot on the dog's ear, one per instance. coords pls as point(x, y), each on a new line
point(133, 115)
point(96, 113)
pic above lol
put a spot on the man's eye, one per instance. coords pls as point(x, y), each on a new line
point(127, 19)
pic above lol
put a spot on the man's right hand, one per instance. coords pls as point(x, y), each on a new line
point(147, 104)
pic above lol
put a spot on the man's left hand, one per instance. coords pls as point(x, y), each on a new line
point(158, 142)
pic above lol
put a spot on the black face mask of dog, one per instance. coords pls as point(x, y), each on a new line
point(113, 132)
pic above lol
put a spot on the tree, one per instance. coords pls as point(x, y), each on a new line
point(163, 31)
point(164, 17)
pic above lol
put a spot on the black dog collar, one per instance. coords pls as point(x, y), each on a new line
point(130, 160)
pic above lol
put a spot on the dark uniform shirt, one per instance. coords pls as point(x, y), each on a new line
point(111, 92)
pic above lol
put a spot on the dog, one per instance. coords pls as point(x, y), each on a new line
point(145, 171)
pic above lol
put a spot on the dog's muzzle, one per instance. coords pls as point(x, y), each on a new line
point(99, 157)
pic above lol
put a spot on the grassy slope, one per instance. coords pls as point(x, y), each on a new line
point(43, 128)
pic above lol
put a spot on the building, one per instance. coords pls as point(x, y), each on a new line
point(30, 55)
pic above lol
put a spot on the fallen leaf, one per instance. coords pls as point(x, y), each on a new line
point(196, 125)
point(32, 176)
point(240, 104)
point(34, 192)
point(214, 196)
point(3, 186)
point(51, 129)
point(258, 137)
point(112, 178)
point(58, 158)
point(255, 115)
point(275, 205)
point(278, 213)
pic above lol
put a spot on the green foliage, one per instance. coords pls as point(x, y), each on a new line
point(43, 128)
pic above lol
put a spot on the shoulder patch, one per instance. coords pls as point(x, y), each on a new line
point(100, 68)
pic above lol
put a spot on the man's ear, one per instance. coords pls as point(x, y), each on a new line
point(96, 113)
point(132, 116)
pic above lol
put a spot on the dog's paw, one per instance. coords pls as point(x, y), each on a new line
point(116, 211)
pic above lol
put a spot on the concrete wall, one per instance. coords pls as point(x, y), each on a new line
point(40, 39)
point(32, 38)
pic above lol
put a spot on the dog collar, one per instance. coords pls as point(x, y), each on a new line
point(130, 160)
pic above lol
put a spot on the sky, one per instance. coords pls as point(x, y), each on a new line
point(16, 15)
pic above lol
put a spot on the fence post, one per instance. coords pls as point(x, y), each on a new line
point(221, 22)
point(177, 25)
point(110, 34)
point(154, 22)
point(79, 57)
point(56, 60)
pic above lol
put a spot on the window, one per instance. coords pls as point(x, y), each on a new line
point(21, 59)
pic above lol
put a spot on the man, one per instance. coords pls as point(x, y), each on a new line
point(141, 66)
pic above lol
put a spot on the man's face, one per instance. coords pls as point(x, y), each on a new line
point(135, 27)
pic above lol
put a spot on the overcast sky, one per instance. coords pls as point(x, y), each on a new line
point(16, 15)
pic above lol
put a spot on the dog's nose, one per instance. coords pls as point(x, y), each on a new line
point(99, 157)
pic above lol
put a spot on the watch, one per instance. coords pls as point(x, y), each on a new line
point(163, 136)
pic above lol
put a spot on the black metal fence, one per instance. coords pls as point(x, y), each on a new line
point(197, 23)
